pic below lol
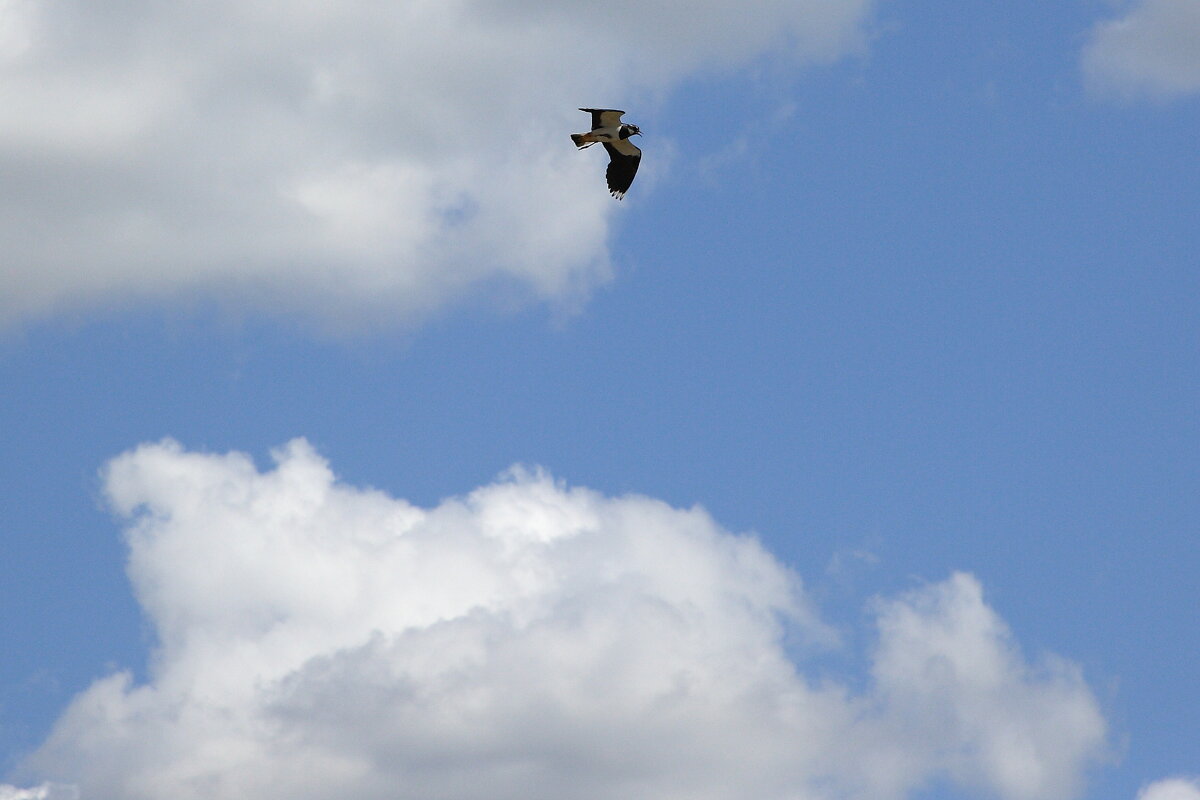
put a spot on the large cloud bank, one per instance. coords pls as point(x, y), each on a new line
point(1150, 51)
point(343, 158)
point(317, 640)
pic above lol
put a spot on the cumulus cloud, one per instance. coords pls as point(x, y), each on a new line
point(1150, 51)
point(345, 159)
point(1172, 789)
point(528, 639)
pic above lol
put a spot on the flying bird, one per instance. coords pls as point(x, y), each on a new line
point(623, 155)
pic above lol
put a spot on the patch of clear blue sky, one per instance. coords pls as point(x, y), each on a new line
point(945, 312)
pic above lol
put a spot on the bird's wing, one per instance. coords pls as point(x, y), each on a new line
point(604, 117)
point(624, 157)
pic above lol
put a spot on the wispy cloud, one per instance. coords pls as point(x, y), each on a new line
point(1150, 51)
point(528, 639)
point(46, 791)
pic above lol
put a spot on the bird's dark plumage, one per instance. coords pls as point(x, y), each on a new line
point(624, 158)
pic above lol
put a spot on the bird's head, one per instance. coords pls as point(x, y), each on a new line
point(630, 130)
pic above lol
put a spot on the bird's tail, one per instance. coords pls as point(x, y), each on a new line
point(580, 140)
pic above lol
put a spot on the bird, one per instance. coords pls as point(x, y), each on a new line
point(624, 156)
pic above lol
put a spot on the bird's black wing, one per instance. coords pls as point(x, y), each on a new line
point(604, 117)
point(624, 158)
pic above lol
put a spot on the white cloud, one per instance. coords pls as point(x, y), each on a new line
point(1150, 51)
point(349, 160)
point(47, 791)
point(527, 640)
point(952, 675)
point(1172, 789)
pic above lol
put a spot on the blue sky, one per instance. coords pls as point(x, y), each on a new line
point(907, 292)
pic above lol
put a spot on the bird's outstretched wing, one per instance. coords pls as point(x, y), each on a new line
point(624, 157)
point(604, 117)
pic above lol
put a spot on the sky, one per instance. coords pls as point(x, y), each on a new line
point(357, 443)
